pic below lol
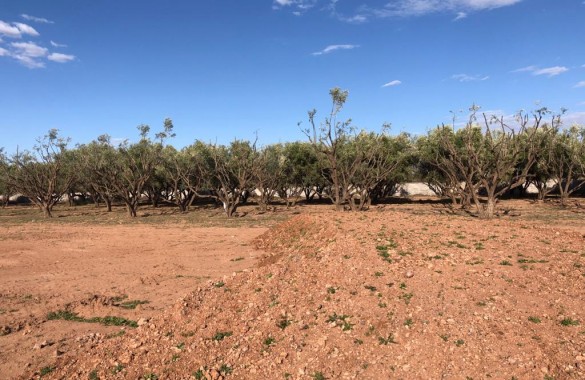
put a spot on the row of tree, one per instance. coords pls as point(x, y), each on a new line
point(473, 165)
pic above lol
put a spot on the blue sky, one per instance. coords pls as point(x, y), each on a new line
point(225, 69)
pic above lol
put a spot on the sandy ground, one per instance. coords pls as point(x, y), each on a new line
point(48, 267)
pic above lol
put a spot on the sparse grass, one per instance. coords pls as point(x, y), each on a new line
point(387, 340)
point(341, 321)
point(408, 322)
point(505, 263)
point(283, 323)
point(237, 259)
point(459, 342)
point(150, 376)
point(221, 335)
point(331, 290)
point(46, 370)
point(106, 321)
point(93, 375)
point(370, 288)
point(406, 297)
point(225, 369)
point(117, 368)
point(318, 376)
point(269, 341)
point(534, 319)
point(569, 322)
point(131, 305)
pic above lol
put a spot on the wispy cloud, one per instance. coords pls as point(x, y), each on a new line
point(548, 71)
point(30, 54)
point(36, 19)
point(16, 29)
point(61, 58)
point(469, 78)
point(414, 8)
point(460, 16)
point(332, 48)
point(392, 83)
point(580, 84)
point(299, 6)
point(54, 44)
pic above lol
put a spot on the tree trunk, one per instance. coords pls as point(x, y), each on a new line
point(47, 212)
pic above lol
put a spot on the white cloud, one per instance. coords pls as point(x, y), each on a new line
point(3, 52)
point(392, 83)
point(549, 71)
point(332, 48)
point(16, 29)
point(30, 49)
point(469, 78)
point(405, 8)
point(61, 58)
point(460, 16)
point(580, 84)
point(54, 44)
point(36, 19)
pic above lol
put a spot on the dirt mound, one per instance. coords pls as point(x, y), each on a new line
point(369, 296)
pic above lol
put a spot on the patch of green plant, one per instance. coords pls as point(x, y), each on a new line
point(106, 321)
point(117, 368)
point(382, 305)
point(116, 334)
point(180, 346)
point(175, 357)
point(187, 334)
point(370, 288)
point(474, 261)
point(479, 246)
point(46, 370)
point(505, 262)
point(93, 375)
point(237, 259)
point(331, 290)
point(534, 319)
point(406, 297)
point(150, 376)
point(358, 341)
point(387, 340)
point(219, 284)
point(341, 321)
point(269, 341)
point(444, 337)
point(131, 305)
point(283, 323)
point(402, 286)
point(225, 369)
point(459, 342)
point(481, 303)
point(408, 322)
point(378, 274)
point(318, 376)
point(199, 374)
point(221, 335)
point(385, 256)
point(569, 322)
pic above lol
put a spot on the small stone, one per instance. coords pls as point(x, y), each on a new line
point(142, 321)
point(409, 274)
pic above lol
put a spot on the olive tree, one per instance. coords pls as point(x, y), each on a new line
point(41, 174)
point(327, 140)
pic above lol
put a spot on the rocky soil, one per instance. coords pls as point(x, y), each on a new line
point(395, 292)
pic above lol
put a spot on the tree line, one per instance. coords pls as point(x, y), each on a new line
point(472, 165)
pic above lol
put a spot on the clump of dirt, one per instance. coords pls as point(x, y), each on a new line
point(367, 296)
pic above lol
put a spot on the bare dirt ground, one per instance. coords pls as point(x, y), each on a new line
point(403, 291)
point(122, 269)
